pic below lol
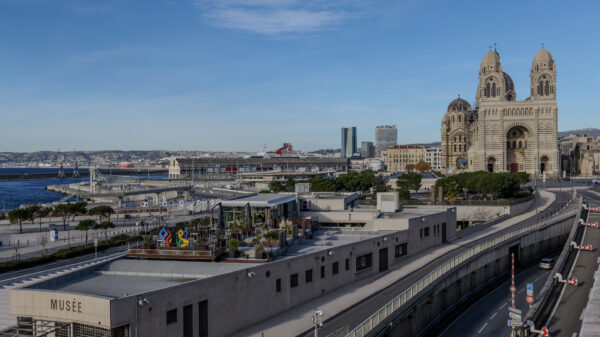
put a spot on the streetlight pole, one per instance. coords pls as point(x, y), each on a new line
point(318, 320)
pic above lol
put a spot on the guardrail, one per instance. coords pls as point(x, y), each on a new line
point(539, 313)
point(387, 310)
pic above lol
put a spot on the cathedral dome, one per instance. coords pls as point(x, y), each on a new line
point(508, 83)
point(543, 57)
point(459, 104)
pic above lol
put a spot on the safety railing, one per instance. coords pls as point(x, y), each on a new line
point(387, 310)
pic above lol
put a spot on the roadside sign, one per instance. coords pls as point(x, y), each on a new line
point(529, 299)
point(529, 289)
point(516, 311)
point(514, 317)
point(513, 289)
point(514, 323)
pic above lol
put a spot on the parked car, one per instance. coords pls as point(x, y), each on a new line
point(547, 263)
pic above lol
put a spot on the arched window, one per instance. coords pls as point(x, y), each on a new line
point(520, 144)
point(455, 139)
point(508, 144)
point(452, 119)
point(487, 90)
point(547, 89)
point(459, 118)
point(493, 89)
point(540, 89)
point(459, 138)
point(514, 144)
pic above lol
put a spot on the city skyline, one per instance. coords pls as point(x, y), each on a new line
point(234, 75)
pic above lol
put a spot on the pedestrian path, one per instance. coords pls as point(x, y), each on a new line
point(6, 320)
point(299, 319)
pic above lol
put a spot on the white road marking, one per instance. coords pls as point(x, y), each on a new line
point(582, 313)
point(503, 305)
point(483, 327)
point(536, 279)
point(494, 315)
point(598, 261)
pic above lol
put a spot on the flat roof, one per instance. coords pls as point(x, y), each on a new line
point(322, 240)
point(126, 277)
point(261, 200)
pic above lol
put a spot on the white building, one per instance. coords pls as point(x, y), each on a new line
point(433, 155)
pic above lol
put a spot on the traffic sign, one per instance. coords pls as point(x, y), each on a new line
point(514, 317)
point(516, 311)
point(529, 299)
point(529, 289)
point(514, 323)
point(513, 289)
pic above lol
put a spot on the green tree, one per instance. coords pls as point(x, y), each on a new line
point(68, 212)
point(380, 184)
point(321, 184)
point(85, 225)
point(105, 226)
point(19, 215)
point(102, 212)
point(409, 181)
point(276, 186)
point(290, 185)
point(232, 245)
point(41, 212)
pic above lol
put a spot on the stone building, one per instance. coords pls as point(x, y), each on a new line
point(501, 133)
point(580, 154)
point(399, 156)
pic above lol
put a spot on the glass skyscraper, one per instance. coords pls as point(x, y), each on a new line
point(348, 141)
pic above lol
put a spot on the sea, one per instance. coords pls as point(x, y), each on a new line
point(32, 192)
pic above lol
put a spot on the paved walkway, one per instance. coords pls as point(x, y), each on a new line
point(299, 319)
point(77, 239)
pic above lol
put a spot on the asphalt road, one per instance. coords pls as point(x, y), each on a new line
point(355, 315)
point(489, 316)
point(567, 318)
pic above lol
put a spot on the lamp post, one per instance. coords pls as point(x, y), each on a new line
point(317, 319)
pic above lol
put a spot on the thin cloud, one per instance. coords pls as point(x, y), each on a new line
point(273, 17)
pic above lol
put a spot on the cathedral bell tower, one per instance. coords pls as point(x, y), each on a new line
point(494, 84)
point(543, 76)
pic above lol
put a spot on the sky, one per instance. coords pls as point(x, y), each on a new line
point(234, 75)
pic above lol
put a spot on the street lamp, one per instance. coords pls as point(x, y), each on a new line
point(317, 319)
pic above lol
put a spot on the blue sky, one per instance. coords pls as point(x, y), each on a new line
point(237, 74)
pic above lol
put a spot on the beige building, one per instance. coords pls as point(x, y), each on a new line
point(502, 134)
point(399, 156)
point(581, 155)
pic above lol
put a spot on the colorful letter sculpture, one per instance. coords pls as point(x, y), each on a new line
point(165, 236)
point(182, 240)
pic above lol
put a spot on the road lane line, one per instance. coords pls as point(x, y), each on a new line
point(521, 291)
point(503, 305)
point(536, 279)
point(483, 327)
point(494, 315)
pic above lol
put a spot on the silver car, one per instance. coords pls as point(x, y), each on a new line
point(547, 263)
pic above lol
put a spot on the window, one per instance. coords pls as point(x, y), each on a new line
point(364, 262)
point(293, 280)
point(188, 321)
point(203, 318)
point(308, 276)
point(494, 90)
point(171, 316)
point(278, 285)
point(400, 250)
point(347, 264)
point(322, 271)
point(335, 268)
point(426, 232)
point(487, 90)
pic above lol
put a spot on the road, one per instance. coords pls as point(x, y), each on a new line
point(567, 318)
point(371, 304)
point(489, 316)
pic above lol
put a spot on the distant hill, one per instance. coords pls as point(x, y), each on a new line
point(590, 132)
point(434, 144)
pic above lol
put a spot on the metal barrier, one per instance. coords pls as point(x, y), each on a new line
point(386, 311)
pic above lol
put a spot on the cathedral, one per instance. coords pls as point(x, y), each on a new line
point(501, 133)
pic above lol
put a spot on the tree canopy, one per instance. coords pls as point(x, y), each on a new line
point(102, 211)
point(350, 182)
point(503, 184)
point(423, 166)
point(19, 215)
